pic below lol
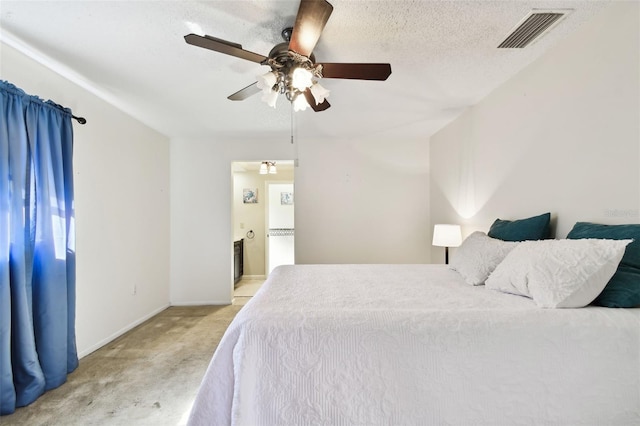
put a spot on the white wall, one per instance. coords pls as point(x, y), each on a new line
point(363, 201)
point(121, 203)
point(561, 136)
point(201, 214)
point(350, 206)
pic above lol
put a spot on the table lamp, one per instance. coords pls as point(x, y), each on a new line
point(446, 236)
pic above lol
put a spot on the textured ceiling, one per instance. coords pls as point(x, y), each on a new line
point(443, 57)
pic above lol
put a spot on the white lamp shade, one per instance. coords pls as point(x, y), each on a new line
point(263, 169)
point(272, 169)
point(319, 93)
point(447, 235)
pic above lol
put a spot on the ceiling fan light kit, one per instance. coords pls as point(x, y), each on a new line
point(294, 72)
point(291, 81)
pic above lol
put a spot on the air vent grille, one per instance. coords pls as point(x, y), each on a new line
point(532, 27)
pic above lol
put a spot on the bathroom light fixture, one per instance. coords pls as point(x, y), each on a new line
point(268, 167)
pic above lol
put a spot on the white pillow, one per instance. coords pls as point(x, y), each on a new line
point(559, 273)
point(478, 255)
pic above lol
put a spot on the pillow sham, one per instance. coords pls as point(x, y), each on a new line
point(558, 273)
point(478, 256)
point(531, 228)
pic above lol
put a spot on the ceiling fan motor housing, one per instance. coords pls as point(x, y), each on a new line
point(280, 54)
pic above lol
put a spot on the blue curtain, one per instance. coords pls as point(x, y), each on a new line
point(37, 247)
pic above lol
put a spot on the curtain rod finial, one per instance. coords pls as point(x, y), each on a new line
point(80, 120)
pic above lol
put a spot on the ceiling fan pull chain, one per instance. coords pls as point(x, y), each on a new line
point(295, 146)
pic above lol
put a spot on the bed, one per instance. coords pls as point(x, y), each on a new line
point(416, 344)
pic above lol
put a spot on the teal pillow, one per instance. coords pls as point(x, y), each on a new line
point(532, 228)
point(612, 232)
point(623, 289)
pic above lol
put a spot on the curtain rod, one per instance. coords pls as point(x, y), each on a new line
point(21, 92)
point(80, 120)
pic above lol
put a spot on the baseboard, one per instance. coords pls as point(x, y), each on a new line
point(254, 277)
point(120, 332)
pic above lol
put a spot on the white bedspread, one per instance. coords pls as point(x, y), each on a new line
point(414, 344)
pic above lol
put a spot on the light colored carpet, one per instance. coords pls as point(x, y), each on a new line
point(148, 376)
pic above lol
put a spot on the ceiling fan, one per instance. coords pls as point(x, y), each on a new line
point(293, 67)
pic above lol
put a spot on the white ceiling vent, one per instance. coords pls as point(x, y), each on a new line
point(532, 26)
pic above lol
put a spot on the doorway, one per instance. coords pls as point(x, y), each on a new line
point(250, 216)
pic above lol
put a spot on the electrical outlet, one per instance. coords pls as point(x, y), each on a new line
point(135, 289)
point(242, 225)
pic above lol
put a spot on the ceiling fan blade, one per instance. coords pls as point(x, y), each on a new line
point(357, 71)
point(312, 102)
point(243, 94)
point(223, 46)
point(310, 21)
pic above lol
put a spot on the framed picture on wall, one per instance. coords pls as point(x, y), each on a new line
point(250, 195)
point(286, 198)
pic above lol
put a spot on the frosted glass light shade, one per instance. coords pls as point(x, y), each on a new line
point(447, 235)
point(319, 93)
point(267, 81)
point(301, 78)
point(270, 97)
point(300, 103)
